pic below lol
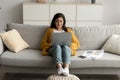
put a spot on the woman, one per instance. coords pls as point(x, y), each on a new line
point(61, 54)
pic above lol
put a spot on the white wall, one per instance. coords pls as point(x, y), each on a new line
point(111, 11)
point(12, 10)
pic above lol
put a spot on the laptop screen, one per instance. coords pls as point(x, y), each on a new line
point(61, 39)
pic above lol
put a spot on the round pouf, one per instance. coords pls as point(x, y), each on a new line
point(62, 77)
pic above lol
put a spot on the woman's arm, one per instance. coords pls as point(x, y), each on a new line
point(45, 44)
point(75, 43)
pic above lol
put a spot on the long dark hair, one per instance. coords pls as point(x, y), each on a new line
point(57, 15)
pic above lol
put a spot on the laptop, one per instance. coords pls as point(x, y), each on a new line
point(61, 39)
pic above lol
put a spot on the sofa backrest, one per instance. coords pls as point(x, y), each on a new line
point(94, 37)
point(90, 37)
point(32, 34)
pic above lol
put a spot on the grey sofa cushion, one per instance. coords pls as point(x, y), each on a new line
point(33, 58)
point(94, 37)
point(108, 60)
point(26, 58)
point(32, 34)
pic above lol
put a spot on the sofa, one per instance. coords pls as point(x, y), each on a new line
point(31, 60)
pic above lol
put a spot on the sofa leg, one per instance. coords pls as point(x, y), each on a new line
point(1, 74)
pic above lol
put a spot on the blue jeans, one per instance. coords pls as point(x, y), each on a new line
point(61, 54)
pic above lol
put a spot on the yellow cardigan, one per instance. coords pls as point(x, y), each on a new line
point(45, 44)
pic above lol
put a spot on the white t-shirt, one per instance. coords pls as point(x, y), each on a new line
point(56, 31)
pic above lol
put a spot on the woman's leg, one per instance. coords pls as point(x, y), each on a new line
point(66, 55)
point(56, 52)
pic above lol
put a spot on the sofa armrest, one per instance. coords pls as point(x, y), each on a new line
point(1, 46)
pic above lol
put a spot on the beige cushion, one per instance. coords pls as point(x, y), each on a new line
point(113, 44)
point(61, 77)
point(14, 41)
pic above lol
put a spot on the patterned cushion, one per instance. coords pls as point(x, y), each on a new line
point(61, 77)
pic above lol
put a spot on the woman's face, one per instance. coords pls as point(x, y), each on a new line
point(59, 23)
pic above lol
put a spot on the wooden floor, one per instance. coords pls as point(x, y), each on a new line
point(44, 77)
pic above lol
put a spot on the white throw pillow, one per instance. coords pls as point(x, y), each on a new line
point(113, 44)
point(14, 41)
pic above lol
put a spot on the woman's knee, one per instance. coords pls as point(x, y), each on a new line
point(57, 47)
point(65, 47)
